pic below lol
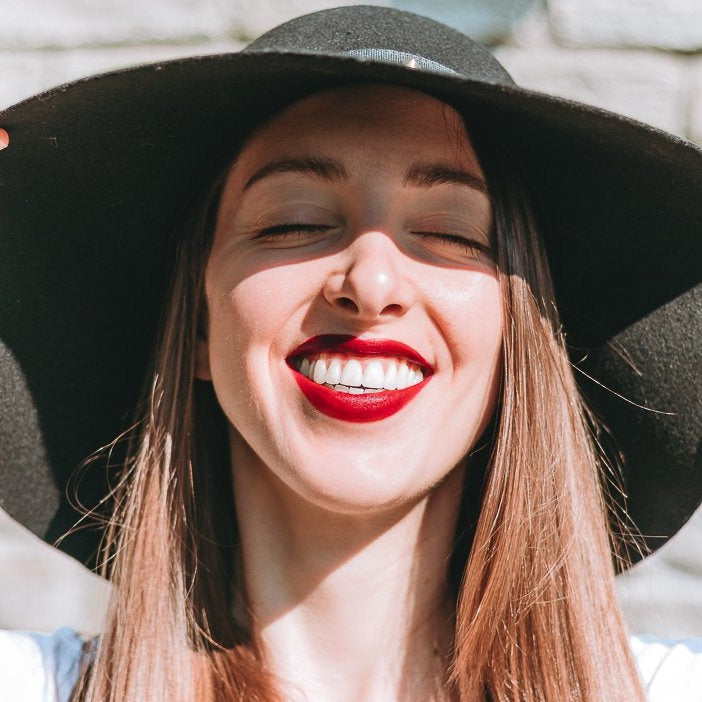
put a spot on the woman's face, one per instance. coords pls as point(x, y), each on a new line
point(352, 251)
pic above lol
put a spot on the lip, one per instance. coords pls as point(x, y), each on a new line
point(347, 343)
point(369, 407)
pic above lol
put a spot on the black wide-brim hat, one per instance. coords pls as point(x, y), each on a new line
point(98, 172)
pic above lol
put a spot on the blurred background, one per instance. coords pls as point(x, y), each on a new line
point(642, 58)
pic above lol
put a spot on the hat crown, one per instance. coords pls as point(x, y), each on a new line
point(384, 33)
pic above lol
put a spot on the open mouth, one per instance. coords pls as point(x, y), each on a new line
point(358, 380)
point(359, 375)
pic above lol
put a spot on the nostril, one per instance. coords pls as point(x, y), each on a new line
point(348, 304)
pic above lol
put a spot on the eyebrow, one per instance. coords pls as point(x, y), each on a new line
point(324, 168)
point(427, 175)
point(423, 175)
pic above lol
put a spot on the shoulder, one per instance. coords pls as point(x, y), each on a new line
point(671, 669)
point(39, 667)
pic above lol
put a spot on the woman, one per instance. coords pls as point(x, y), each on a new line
point(360, 343)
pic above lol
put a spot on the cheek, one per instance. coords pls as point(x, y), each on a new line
point(475, 345)
point(259, 301)
point(471, 319)
point(249, 305)
point(251, 318)
point(241, 327)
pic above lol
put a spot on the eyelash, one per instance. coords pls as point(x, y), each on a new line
point(282, 231)
point(468, 245)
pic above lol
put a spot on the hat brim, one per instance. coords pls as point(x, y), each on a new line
point(97, 176)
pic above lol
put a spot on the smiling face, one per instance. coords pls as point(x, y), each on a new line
point(354, 312)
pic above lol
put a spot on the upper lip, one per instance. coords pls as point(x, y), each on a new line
point(346, 343)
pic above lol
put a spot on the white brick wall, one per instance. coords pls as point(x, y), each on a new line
point(662, 24)
point(32, 24)
point(27, 72)
point(38, 24)
point(659, 87)
point(650, 87)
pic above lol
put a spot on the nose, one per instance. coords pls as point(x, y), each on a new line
point(373, 279)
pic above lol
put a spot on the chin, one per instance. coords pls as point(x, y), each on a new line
point(366, 483)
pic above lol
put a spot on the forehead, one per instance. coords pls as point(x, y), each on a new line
point(366, 123)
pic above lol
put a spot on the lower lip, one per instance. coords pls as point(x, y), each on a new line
point(367, 407)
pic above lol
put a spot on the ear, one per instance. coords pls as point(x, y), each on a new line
point(202, 359)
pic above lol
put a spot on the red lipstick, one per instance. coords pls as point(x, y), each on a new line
point(369, 407)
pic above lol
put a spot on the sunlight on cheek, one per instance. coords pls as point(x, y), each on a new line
point(255, 301)
point(467, 306)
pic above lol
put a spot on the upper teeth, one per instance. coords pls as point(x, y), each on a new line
point(375, 374)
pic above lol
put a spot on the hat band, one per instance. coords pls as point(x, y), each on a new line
point(402, 58)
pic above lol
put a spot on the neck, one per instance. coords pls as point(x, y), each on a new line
point(348, 607)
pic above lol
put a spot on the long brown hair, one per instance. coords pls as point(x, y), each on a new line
point(536, 612)
point(537, 615)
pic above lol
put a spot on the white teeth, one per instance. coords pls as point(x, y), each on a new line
point(352, 373)
point(333, 372)
point(320, 371)
point(373, 376)
point(402, 375)
point(390, 382)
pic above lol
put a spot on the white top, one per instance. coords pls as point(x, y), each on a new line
point(39, 667)
point(44, 668)
point(671, 669)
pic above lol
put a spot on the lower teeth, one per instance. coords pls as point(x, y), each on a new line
point(352, 390)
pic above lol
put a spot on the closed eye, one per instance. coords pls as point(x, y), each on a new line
point(290, 230)
point(468, 245)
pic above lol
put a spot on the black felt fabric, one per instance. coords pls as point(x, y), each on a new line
point(355, 28)
point(99, 172)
